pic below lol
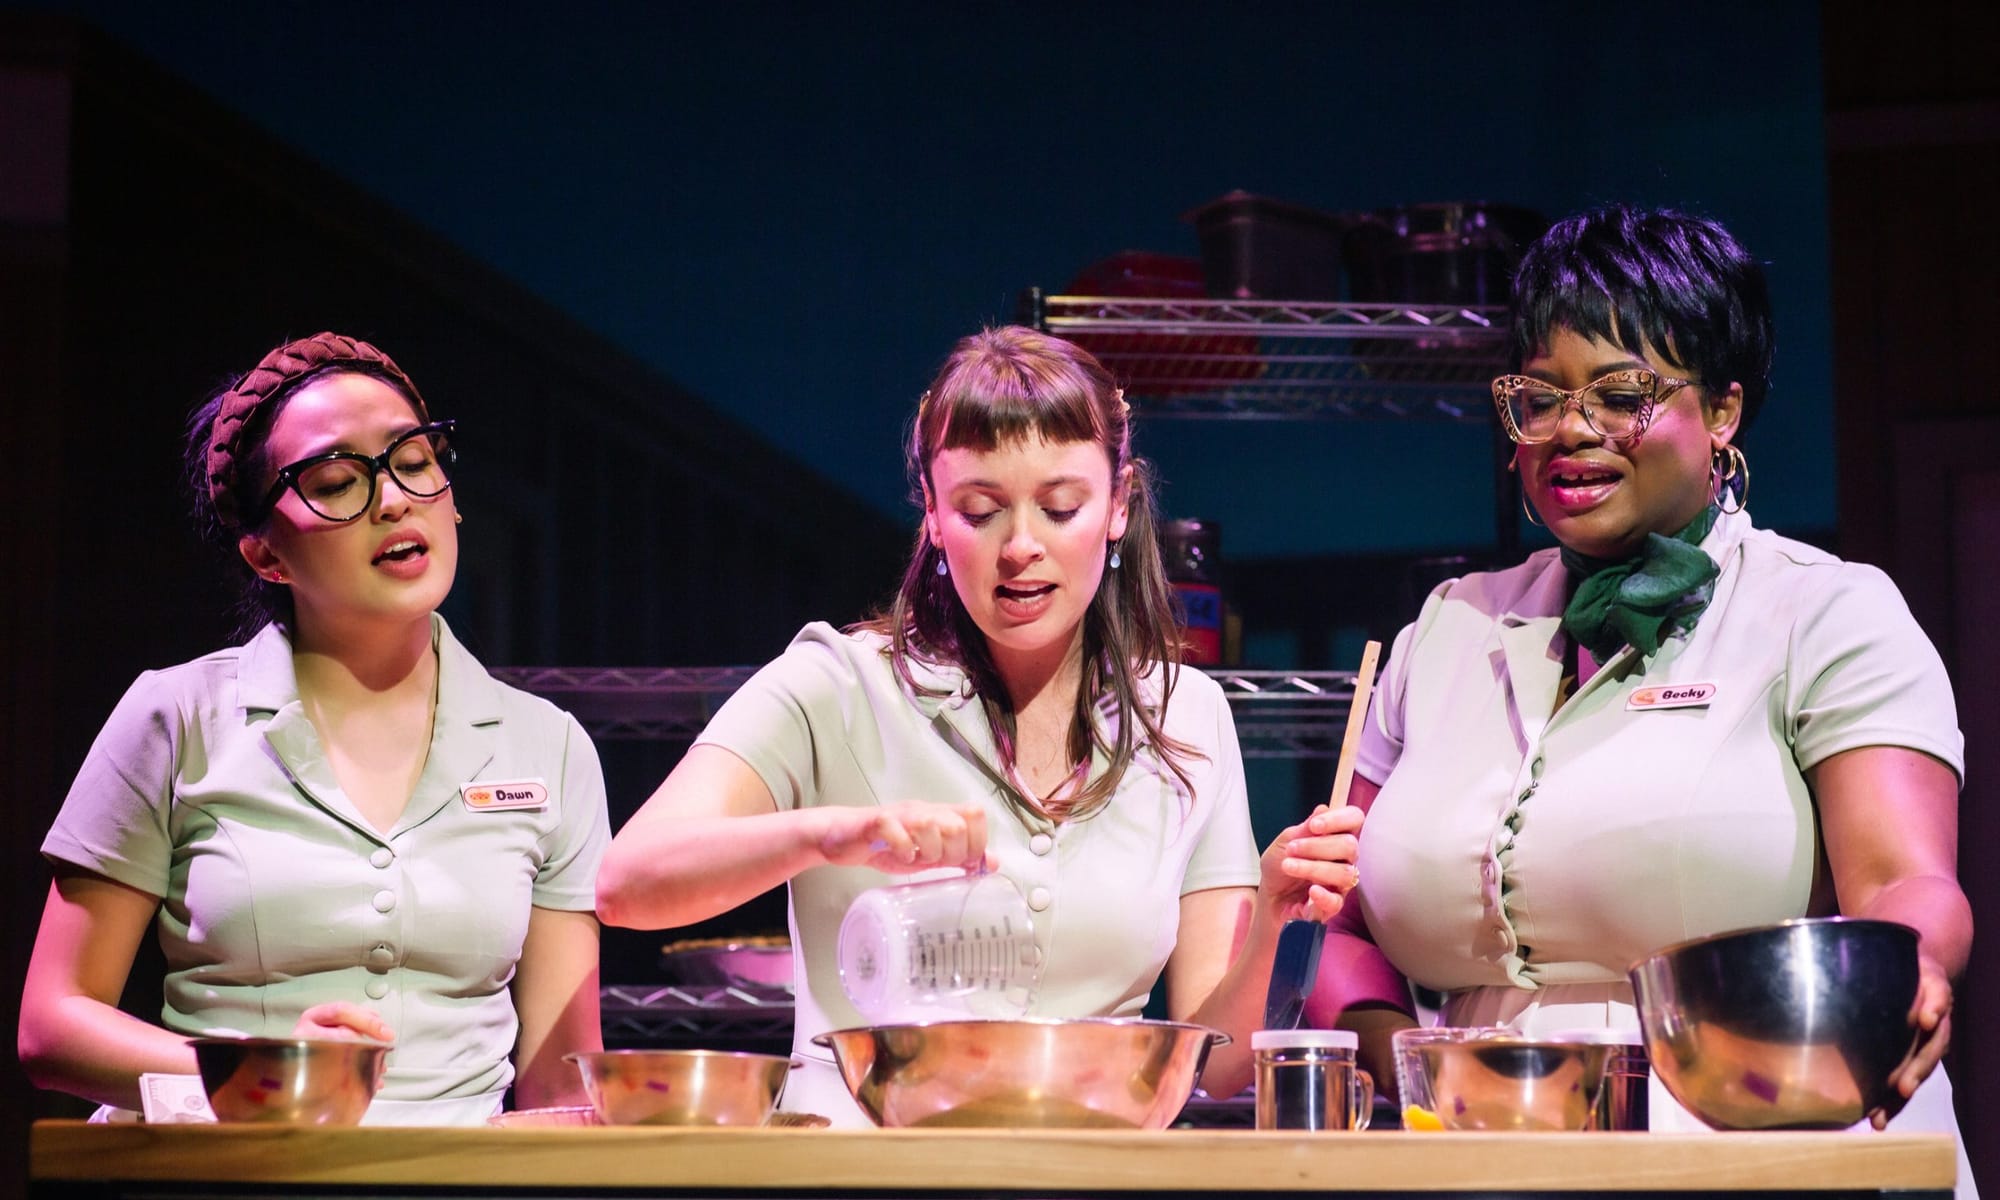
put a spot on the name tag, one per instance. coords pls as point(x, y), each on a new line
point(174, 1099)
point(504, 795)
point(1673, 695)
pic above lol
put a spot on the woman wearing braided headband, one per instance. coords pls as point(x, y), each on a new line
point(1659, 729)
point(344, 827)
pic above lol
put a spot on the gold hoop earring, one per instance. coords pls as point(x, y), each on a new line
point(1528, 511)
point(1726, 466)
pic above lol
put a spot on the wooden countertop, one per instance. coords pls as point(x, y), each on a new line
point(1021, 1161)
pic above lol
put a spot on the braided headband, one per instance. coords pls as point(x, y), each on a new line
point(278, 370)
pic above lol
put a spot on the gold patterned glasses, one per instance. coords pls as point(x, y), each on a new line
point(1617, 406)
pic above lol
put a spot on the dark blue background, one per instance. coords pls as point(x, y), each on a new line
point(793, 210)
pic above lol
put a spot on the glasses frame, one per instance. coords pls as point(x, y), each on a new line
point(1658, 388)
point(288, 477)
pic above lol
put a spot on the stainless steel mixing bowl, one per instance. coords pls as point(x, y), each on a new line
point(1504, 1081)
point(1093, 1073)
point(681, 1087)
point(1789, 1026)
point(295, 1081)
point(753, 962)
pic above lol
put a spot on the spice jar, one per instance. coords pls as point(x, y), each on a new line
point(1192, 550)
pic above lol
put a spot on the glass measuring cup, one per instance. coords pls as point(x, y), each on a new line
point(939, 949)
point(1413, 1083)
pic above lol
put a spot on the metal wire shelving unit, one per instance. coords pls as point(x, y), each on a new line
point(1288, 360)
point(1283, 360)
point(1279, 714)
point(706, 1016)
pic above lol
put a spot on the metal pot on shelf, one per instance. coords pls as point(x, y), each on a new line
point(1445, 253)
point(1453, 253)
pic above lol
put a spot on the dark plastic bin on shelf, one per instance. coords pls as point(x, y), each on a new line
point(1254, 247)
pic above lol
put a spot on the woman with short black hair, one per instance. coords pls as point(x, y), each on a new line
point(1672, 724)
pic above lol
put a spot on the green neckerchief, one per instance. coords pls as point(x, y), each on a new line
point(1641, 600)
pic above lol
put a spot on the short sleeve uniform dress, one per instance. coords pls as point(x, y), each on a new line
point(208, 787)
point(830, 722)
point(1519, 860)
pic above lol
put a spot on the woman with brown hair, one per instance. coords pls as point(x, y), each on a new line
point(1020, 706)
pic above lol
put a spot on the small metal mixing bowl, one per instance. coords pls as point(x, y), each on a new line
point(295, 1081)
point(1511, 1082)
point(1090, 1073)
point(1796, 1025)
point(752, 962)
point(682, 1087)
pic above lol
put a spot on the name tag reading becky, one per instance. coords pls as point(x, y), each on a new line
point(504, 795)
point(1672, 695)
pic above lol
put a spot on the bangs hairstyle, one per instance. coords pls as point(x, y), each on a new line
point(1682, 285)
point(999, 388)
point(1008, 385)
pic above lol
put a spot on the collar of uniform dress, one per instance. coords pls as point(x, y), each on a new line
point(1640, 601)
point(265, 680)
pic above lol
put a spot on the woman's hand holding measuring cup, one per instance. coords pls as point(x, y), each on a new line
point(1309, 868)
point(903, 838)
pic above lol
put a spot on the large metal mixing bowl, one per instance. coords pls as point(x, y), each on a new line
point(1789, 1026)
point(295, 1081)
point(681, 1087)
point(1503, 1081)
point(1094, 1073)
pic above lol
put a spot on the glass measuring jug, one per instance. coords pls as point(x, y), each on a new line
point(939, 949)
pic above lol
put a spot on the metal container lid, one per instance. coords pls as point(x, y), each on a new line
point(1305, 1039)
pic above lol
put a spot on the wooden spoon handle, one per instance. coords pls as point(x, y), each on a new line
point(1357, 713)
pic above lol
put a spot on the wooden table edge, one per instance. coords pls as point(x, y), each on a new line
point(1175, 1160)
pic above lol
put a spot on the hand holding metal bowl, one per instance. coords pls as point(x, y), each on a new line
point(291, 1081)
point(1798, 1025)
